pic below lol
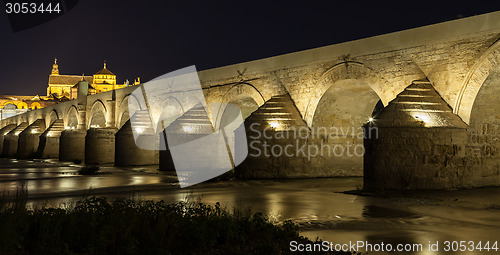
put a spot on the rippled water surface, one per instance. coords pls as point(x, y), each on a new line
point(319, 206)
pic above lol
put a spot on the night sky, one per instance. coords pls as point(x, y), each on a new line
point(151, 38)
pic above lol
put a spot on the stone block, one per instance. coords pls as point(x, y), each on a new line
point(446, 150)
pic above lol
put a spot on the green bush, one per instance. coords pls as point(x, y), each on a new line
point(98, 226)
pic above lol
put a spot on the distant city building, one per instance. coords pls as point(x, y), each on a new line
point(60, 88)
point(65, 86)
point(13, 104)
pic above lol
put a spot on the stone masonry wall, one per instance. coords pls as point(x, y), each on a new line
point(418, 158)
point(300, 154)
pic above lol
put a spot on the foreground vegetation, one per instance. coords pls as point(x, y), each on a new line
point(98, 226)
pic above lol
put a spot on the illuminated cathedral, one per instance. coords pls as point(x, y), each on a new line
point(65, 86)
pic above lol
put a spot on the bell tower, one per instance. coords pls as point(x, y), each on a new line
point(55, 68)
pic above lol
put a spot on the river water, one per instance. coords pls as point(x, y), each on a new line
point(319, 206)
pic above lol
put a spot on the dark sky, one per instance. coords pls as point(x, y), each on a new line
point(151, 38)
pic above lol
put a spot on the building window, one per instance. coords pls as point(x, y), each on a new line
point(35, 106)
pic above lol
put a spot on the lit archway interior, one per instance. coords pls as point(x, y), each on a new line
point(10, 106)
point(338, 119)
point(247, 105)
point(35, 106)
point(98, 119)
point(171, 110)
point(52, 118)
point(22, 105)
point(72, 118)
point(484, 131)
point(97, 115)
point(124, 118)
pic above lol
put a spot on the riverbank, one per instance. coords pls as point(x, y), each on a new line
point(123, 226)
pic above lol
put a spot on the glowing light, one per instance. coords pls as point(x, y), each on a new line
point(370, 119)
point(95, 126)
point(424, 118)
point(17, 133)
point(33, 131)
point(188, 129)
point(274, 124)
point(5, 133)
point(139, 130)
point(67, 128)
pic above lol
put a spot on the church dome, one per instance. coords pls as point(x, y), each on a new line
point(104, 71)
point(104, 76)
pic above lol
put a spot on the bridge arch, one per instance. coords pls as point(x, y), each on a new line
point(97, 115)
point(132, 104)
point(480, 71)
point(35, 105)
point(172, 109)
point(9, 104)
point(72, 118)
point(22, 105)
point(51, 117)
point(244, 95)
point(484, 129)
point(486, 107)
point(344, 99)
point(124, 114)
point(344, 81)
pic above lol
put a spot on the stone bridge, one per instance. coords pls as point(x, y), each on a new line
point(328, 93)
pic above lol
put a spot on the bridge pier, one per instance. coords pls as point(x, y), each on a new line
point(72, 145)
point(29, 139)
point(416, 142)
point(11, 140)
point(127, 153)
point(166, 162)
point(3, 132)
point(274, 133)
point(100, 146)
point(192, 125)
point(49, 140)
